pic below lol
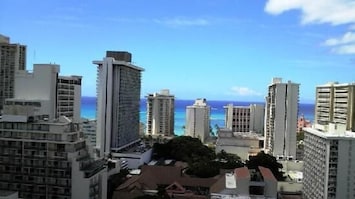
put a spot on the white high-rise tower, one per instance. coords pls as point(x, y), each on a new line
point(281, 113)
point(198, 120)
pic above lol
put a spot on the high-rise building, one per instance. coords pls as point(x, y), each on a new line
point(245, 118)
point(59, 95)
point(335, 103)
point(160, 113)
point(281, 113)
point(43, 155)
point(329, 147)
point(329, 161)
point(69, 97)
point(118, 101)
point(198, 120)
point(12, 59)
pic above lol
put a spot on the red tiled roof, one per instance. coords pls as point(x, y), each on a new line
point(242, 173)
point(266, 173)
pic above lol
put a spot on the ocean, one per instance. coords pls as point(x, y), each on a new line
point(88, 110)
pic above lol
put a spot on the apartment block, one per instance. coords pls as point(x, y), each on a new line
point(245, 118)
point(12, 59)
point(118, 101)
point(335, 103)
point(160, 113)
point(329, 161)
point(69, 97)
point(43, 155)
point(281, 113)
point(198, 120)
point(58, 95)
point(329, 146)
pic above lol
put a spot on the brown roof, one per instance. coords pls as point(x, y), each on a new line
point(266, 173)
point(219, 185)
point(242, 173)
point(152, 175)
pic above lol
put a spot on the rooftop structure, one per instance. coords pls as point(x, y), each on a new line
point(245, 183)
point(240, 143)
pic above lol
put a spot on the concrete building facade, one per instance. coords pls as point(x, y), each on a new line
point(58, 95)
point(245, 118)
point(335, 104)
point(281, 113)
point(118, 97)
point(42, 155)
point(329, 147)
point(160, 113)
point(329, 161)
point(198, 120)
point(12, 59)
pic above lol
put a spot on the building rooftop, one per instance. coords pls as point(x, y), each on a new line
point(242, 173)
point(329, 134)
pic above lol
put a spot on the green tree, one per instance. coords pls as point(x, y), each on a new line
point(268, 161)
point(300, 136)
point(228, 160)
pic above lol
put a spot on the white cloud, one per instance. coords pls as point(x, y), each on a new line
point(244, 91)
point(319, 11)
point(182, 21)
point(345, 49)
point(347, 38)
point(342, 45)
point(334, 12)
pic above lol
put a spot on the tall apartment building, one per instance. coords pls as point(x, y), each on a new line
point(160, 113)
point(118, 97)
point(198, 120)
point(281, 113)
point(42, 155)
point(59, 95)
point(335, 103)
point(69, 97)
point(12, 59)
point(245, 118)
point(329, 161)
point(329, 147)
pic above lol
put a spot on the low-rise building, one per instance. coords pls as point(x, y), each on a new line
point(243, 144)
point(245, 183)
point(171, 178)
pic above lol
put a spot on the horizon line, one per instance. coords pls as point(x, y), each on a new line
point(219, 100)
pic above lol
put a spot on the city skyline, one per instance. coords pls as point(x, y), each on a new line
point(185, 45)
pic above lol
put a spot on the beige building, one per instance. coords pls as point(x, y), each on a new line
point(12, 59)
point(335, 104)
point(243, 144)
point(160, 113)
point(245, 118)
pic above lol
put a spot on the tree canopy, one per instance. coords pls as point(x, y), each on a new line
point(202, 161)
point(268, 161)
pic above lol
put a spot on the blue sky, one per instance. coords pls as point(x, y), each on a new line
point(216, 49)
